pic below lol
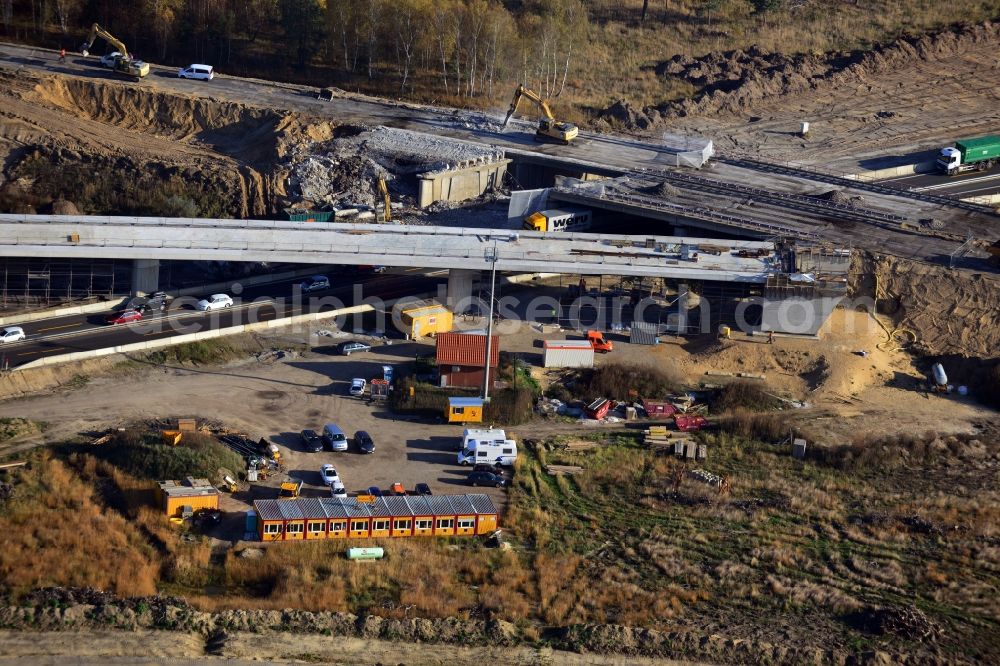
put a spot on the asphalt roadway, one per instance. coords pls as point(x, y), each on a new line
point(962, 186)
point(65, 335)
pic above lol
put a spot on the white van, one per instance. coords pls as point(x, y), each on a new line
point(487, 446)
point(201, 72)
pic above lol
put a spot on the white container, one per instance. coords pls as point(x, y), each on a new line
point(568, 354)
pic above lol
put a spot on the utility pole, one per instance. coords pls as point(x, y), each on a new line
point(491, 256)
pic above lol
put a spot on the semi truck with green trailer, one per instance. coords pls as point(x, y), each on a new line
point(980, 154)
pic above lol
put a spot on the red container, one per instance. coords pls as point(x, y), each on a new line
point(690, 422)
point(658, 410)
point(599, 408)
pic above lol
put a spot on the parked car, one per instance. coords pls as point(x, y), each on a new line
point(422, 489)
point(200, 72)
point(315, 283)
point(485, 479)
point(334, 437)
point(348, 348)
point(124, 317)
point(374, 491)
point(329, 474)
point(311, 441)
point(338, 490)
point(108, 59)
point(215, 302)
point(358, 387)
point(364, 442)
point(12, 334)
point(492, 468)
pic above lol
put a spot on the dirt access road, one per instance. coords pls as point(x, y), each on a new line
point(242, 649)
point(597, 150)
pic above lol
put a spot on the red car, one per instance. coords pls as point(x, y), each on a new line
point(124, 317)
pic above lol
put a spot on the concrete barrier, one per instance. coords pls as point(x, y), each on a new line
point(195, 337)
point(24, 317)
point(101, 306)
point(986, 199)
point(892, 172)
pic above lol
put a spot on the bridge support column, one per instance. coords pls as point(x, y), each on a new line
point(145, 276)
point(460, 288)
point(682, 308)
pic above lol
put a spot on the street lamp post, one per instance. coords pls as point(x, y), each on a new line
point(491, 256)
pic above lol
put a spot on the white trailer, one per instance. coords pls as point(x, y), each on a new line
point(568, 354)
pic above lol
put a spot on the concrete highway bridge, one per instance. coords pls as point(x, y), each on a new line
point(738, 268)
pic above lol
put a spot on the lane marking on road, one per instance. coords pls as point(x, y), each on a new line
point(957, 183)
point(53, 328)
point(41, 351)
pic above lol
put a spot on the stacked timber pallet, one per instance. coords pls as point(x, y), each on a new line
point(673, 442)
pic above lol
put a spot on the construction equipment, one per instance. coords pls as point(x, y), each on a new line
point(123, 63)
point(387, 206)
point(548, 126)
point(290, 489)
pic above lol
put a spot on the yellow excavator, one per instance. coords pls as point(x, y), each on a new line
point(548, 126)
point(387, 204)
point(123, 63)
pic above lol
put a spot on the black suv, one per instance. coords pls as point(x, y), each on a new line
point(486, 479)
point(311, 441)
point(364, 442)
point(487, 467)
point(422, 489)
point(156, 301)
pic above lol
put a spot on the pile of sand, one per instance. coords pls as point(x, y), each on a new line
point(737, 82)
point(949, 311)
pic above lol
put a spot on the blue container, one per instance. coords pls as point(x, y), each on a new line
point(251, 525)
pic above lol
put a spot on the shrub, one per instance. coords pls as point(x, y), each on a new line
point(746, 395)
point(510, 406)
point(624, 381)
point(754, 425)
point(144, 455)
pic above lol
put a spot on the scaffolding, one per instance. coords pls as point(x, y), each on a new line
point(28, 282)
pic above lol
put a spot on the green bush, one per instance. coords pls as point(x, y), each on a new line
point(143, 454)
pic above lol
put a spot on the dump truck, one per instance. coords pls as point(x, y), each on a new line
point(561, 219)
point(979, 154)
point(290, 489)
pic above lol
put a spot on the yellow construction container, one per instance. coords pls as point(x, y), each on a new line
point(195, 493)
point(171, 437)
point(464, 410)
point(384, 517)
point(426, 318)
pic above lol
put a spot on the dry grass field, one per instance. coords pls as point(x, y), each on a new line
point(888, 544)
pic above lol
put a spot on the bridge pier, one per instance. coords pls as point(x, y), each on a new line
point(460, 288)
point(461, 183)
point(145, 276)
point(682, 308)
